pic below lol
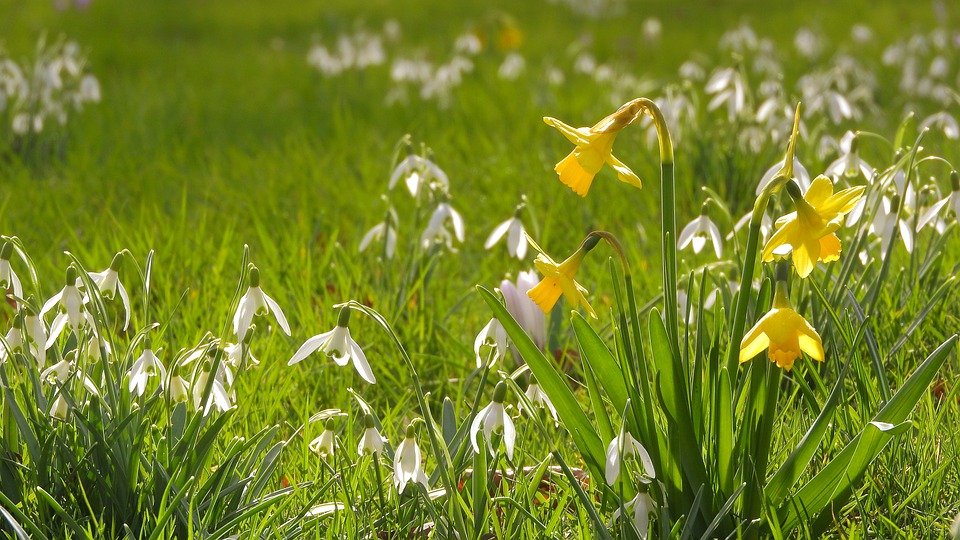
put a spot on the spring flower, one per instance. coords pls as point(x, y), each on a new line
point(727, 87)
point(622, 447)
point(109, 284)
point(325, 445)
point(849, 164)
point(524, 310)
point(337, 344)
point(71, 310)
point(809, 233)
point(219, 396)
point(60, 407)
point(558, 279)
point(33, 335)
point(594, 148)
point(8, 278)
point(436, 231)
point(642, 506)
point(943, 121)
point(494, 335)
point(537, 396)
point(416, 172)
point(516, 237)
point(386, 230)
point(61, 372)
point(493, 418)
point(145, 367)
point(784, 333)
point(178, 389)
point(371, 442)
point(238, 352)
point(256, 302)
point(697, 232)
point(406, 463)
point(887, 221)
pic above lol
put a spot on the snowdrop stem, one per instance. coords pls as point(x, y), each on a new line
point(376, 470)
point(117, 262)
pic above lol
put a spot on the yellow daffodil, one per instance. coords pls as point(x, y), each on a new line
point(809, 233)
point(558, 279)
point(594, 148)
point(784, 333)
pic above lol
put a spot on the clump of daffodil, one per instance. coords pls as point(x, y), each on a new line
point(809, 234)
point(594, 148)
point(558, 279)
point(783, 332)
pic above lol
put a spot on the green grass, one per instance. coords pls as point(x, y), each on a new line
point(214, 133)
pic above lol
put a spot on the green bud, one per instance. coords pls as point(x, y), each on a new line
point(368, 421)
point(344, 317)
point(411, 432)
point(705, 207)
point(71, 280)
point(6, 251)
point(148, 343)
point(500, 392)
point(254, 276)
point(955, 180)
point(328, 424)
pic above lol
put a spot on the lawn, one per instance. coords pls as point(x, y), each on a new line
point(221, 135)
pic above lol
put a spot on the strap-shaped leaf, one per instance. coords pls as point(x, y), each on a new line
point(601, 360)
point(832, 484)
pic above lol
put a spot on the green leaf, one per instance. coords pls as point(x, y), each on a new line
point(606, 368)
point(832, 484)
point(572, 417)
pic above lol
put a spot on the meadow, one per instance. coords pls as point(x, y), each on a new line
point(351, 160)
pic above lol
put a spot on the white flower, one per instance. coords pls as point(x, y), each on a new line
point(849, 163)
point(516, 238)
point(493, 418)
point(178, 389)
point(34, 335)
point(642, 506)
point(60, 372)
point(726, 85)
point(386, 229)
point(943, 121)
point(494, 335)
point(337, 344)
point(885, 223)
point(109, 284)
point(325, 445)
point(256, 302)
point(799, 171)
point(8, 278)
point(537, 396)
point(766, 225)
point(236, 352)
point(60, 408)
point(698, 231)
point(371, 442)
point(437, 232)
point(406, 463)
point(70, 311)
point(219, 396)
point(145, 367)
point(955, 528)
point(622, 447)
point(416, 172)
point(524, 310)
point(512, 66)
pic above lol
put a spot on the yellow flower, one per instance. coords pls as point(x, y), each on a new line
point(557, 280)
point(594, 148)
point(809, 233)
point(784, 332)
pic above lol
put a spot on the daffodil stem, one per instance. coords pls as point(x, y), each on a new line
point(768, 375)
